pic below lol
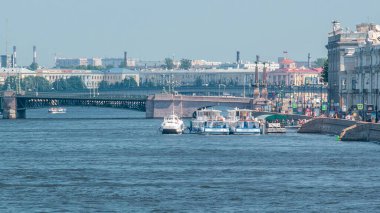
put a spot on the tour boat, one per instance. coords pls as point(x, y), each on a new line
point(58, 110)
point(216, 128)
point(172, 124)
point(242, 121)
point(275, 128)
point(209, 121)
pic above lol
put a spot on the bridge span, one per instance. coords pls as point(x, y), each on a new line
point(14, 106)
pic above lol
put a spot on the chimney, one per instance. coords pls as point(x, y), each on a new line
point(34, 54)
point(237, 57)
point(125, 59)
point(14, 62)
point(308, 60)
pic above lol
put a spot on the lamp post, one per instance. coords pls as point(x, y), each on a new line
point(224, 90)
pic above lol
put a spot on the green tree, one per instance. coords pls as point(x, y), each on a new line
point(33, 66)
point(75, 83)
point(169, 63)
point(325, 72)
point(81, 67)
point(198, 82)
point(38, 83)
point(104, 85)
point(60, 85)
point(320, 62)
point(185, 64)
point(129, 82)
point(11, 82)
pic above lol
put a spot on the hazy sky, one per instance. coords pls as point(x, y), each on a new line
point(195, 29)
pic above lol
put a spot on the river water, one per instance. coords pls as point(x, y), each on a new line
point(109, 160)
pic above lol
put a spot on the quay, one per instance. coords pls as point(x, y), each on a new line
point(346, 130)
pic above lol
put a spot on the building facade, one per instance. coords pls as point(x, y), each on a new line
point(105, 62)
point(340, 45)
point(204, 77)
point(289, 74)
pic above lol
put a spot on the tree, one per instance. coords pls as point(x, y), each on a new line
point(129, 82)
point(75, 83)
point(198, 82)
point(320, 62)
point(122, 65)
point(325, 72)
point(60, 85)
point(33, 66)
point(185, 64)
point(11, 82)
point(38, 83)
point(104, 85)
point(169, 63)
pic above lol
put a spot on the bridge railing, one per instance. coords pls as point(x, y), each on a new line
point(82, 96)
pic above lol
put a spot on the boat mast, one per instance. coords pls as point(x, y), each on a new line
point(173, 104)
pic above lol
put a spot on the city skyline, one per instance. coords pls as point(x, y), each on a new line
point(211, 30)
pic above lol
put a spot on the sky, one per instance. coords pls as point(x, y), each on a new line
point(195, 29)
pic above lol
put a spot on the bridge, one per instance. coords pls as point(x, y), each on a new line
point(14, 106)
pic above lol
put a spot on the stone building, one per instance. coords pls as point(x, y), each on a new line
point(289, 74)
point(228, 77)
point(341, 43)
point(354, 66)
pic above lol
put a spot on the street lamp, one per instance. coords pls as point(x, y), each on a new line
point(224, 90)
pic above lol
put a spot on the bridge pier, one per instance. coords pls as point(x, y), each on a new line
point(160, 105)
point(12, 108)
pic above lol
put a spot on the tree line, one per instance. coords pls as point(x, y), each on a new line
point(40, 84)
point(71, 84)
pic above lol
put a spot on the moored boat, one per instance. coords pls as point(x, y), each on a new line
point(216, 128)
point(209, 121)
point(275, 128)
point(242, 121)
point(57, 110)
point(172, 124)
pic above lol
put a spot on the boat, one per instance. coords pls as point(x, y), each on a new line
point(209, 121)
point(275, 128)
point(57, 110)
point(172, 124)
point(273, 123)
point(216, 128)
point(242, 121)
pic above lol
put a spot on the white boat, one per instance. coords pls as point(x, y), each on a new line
point(55, 110)
point(172, 124)
point(242, 121)
point(275, 128)
point(216, 128)
point(209, 121)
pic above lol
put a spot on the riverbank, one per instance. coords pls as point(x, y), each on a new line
point(346, 129)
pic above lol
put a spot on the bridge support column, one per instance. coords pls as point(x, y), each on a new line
point(10, 108)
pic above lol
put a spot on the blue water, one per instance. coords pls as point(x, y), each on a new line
point(86, 161)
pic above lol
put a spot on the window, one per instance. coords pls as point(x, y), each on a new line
point(354, 83)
